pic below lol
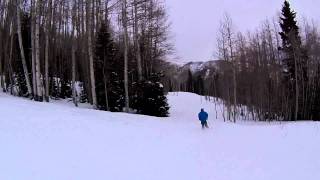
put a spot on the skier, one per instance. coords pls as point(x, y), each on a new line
point(203, 117)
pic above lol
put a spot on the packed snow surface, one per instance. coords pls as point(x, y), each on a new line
point(56, 141)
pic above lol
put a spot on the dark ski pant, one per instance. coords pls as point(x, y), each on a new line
point(204, 124)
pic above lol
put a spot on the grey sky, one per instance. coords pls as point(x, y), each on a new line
point(195, 22)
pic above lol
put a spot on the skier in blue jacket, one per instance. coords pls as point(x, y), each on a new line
point(203, 117)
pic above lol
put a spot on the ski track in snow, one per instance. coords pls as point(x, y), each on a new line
point(56, 141)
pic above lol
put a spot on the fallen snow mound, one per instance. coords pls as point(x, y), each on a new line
point(56, 141)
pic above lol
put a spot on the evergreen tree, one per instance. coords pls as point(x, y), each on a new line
point(116, 93)
point(108, 83)
point(66, 89)
point(83, 96)
point(150, 98)
point(54, 90)
point(295, 60)
point(103, 53)
point(290, 38)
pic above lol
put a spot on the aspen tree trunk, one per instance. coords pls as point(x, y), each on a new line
point(233, 74)
point(46, 64)
point(10, 59)
point(47, 51)
point(234, 92)
point(296, 56)
point(74, 93)
point(37, 53)
point(104, 68)
point(23, 58)
point(125, 29)
point(136, 37)
point(229, 21)
point(91, 66)
point(34, 82)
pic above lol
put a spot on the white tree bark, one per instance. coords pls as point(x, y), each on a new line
point(233, 61)
point(296, 56)
point(125, 29)
point(91, 66)
point(47, 50)
point(23, 58)
point(136, 37)
point(74, 94)
point(37, 52)
point(34, 82)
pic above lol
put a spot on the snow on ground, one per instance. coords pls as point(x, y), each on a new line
point(56, 141)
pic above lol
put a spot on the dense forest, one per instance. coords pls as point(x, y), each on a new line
point(113, 54)
point(105, 52)
point(272, 73)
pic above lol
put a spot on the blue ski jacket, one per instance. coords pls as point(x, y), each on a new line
point(203, 116)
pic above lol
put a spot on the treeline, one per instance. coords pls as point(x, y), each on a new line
point(273, 73)
point(105, 52)
point(270, 74)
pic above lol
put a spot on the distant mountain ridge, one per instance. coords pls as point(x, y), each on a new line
point(205, 69)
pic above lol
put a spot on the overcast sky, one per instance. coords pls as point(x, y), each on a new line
point(195, 22)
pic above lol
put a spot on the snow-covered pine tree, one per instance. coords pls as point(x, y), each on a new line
point(66, 89)
point(295, 60)
point(150, 98)
point(83, 96)
point(109, 87)
point(54, 88)
point(116, 93)
point(19, 78)
point(103, 53)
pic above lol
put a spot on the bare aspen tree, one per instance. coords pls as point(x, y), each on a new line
point(230, 40)
point(6, 36)
point(34, 80)
point(90, 52)
point(137, 40)
point(37, 51)
point(106, 16)
point(125, 31)
point(23, 58)
point(73, 55)
point(226, 49)
point(48, 27)
point(296, 57)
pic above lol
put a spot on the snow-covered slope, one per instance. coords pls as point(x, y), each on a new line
point(55, 141)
